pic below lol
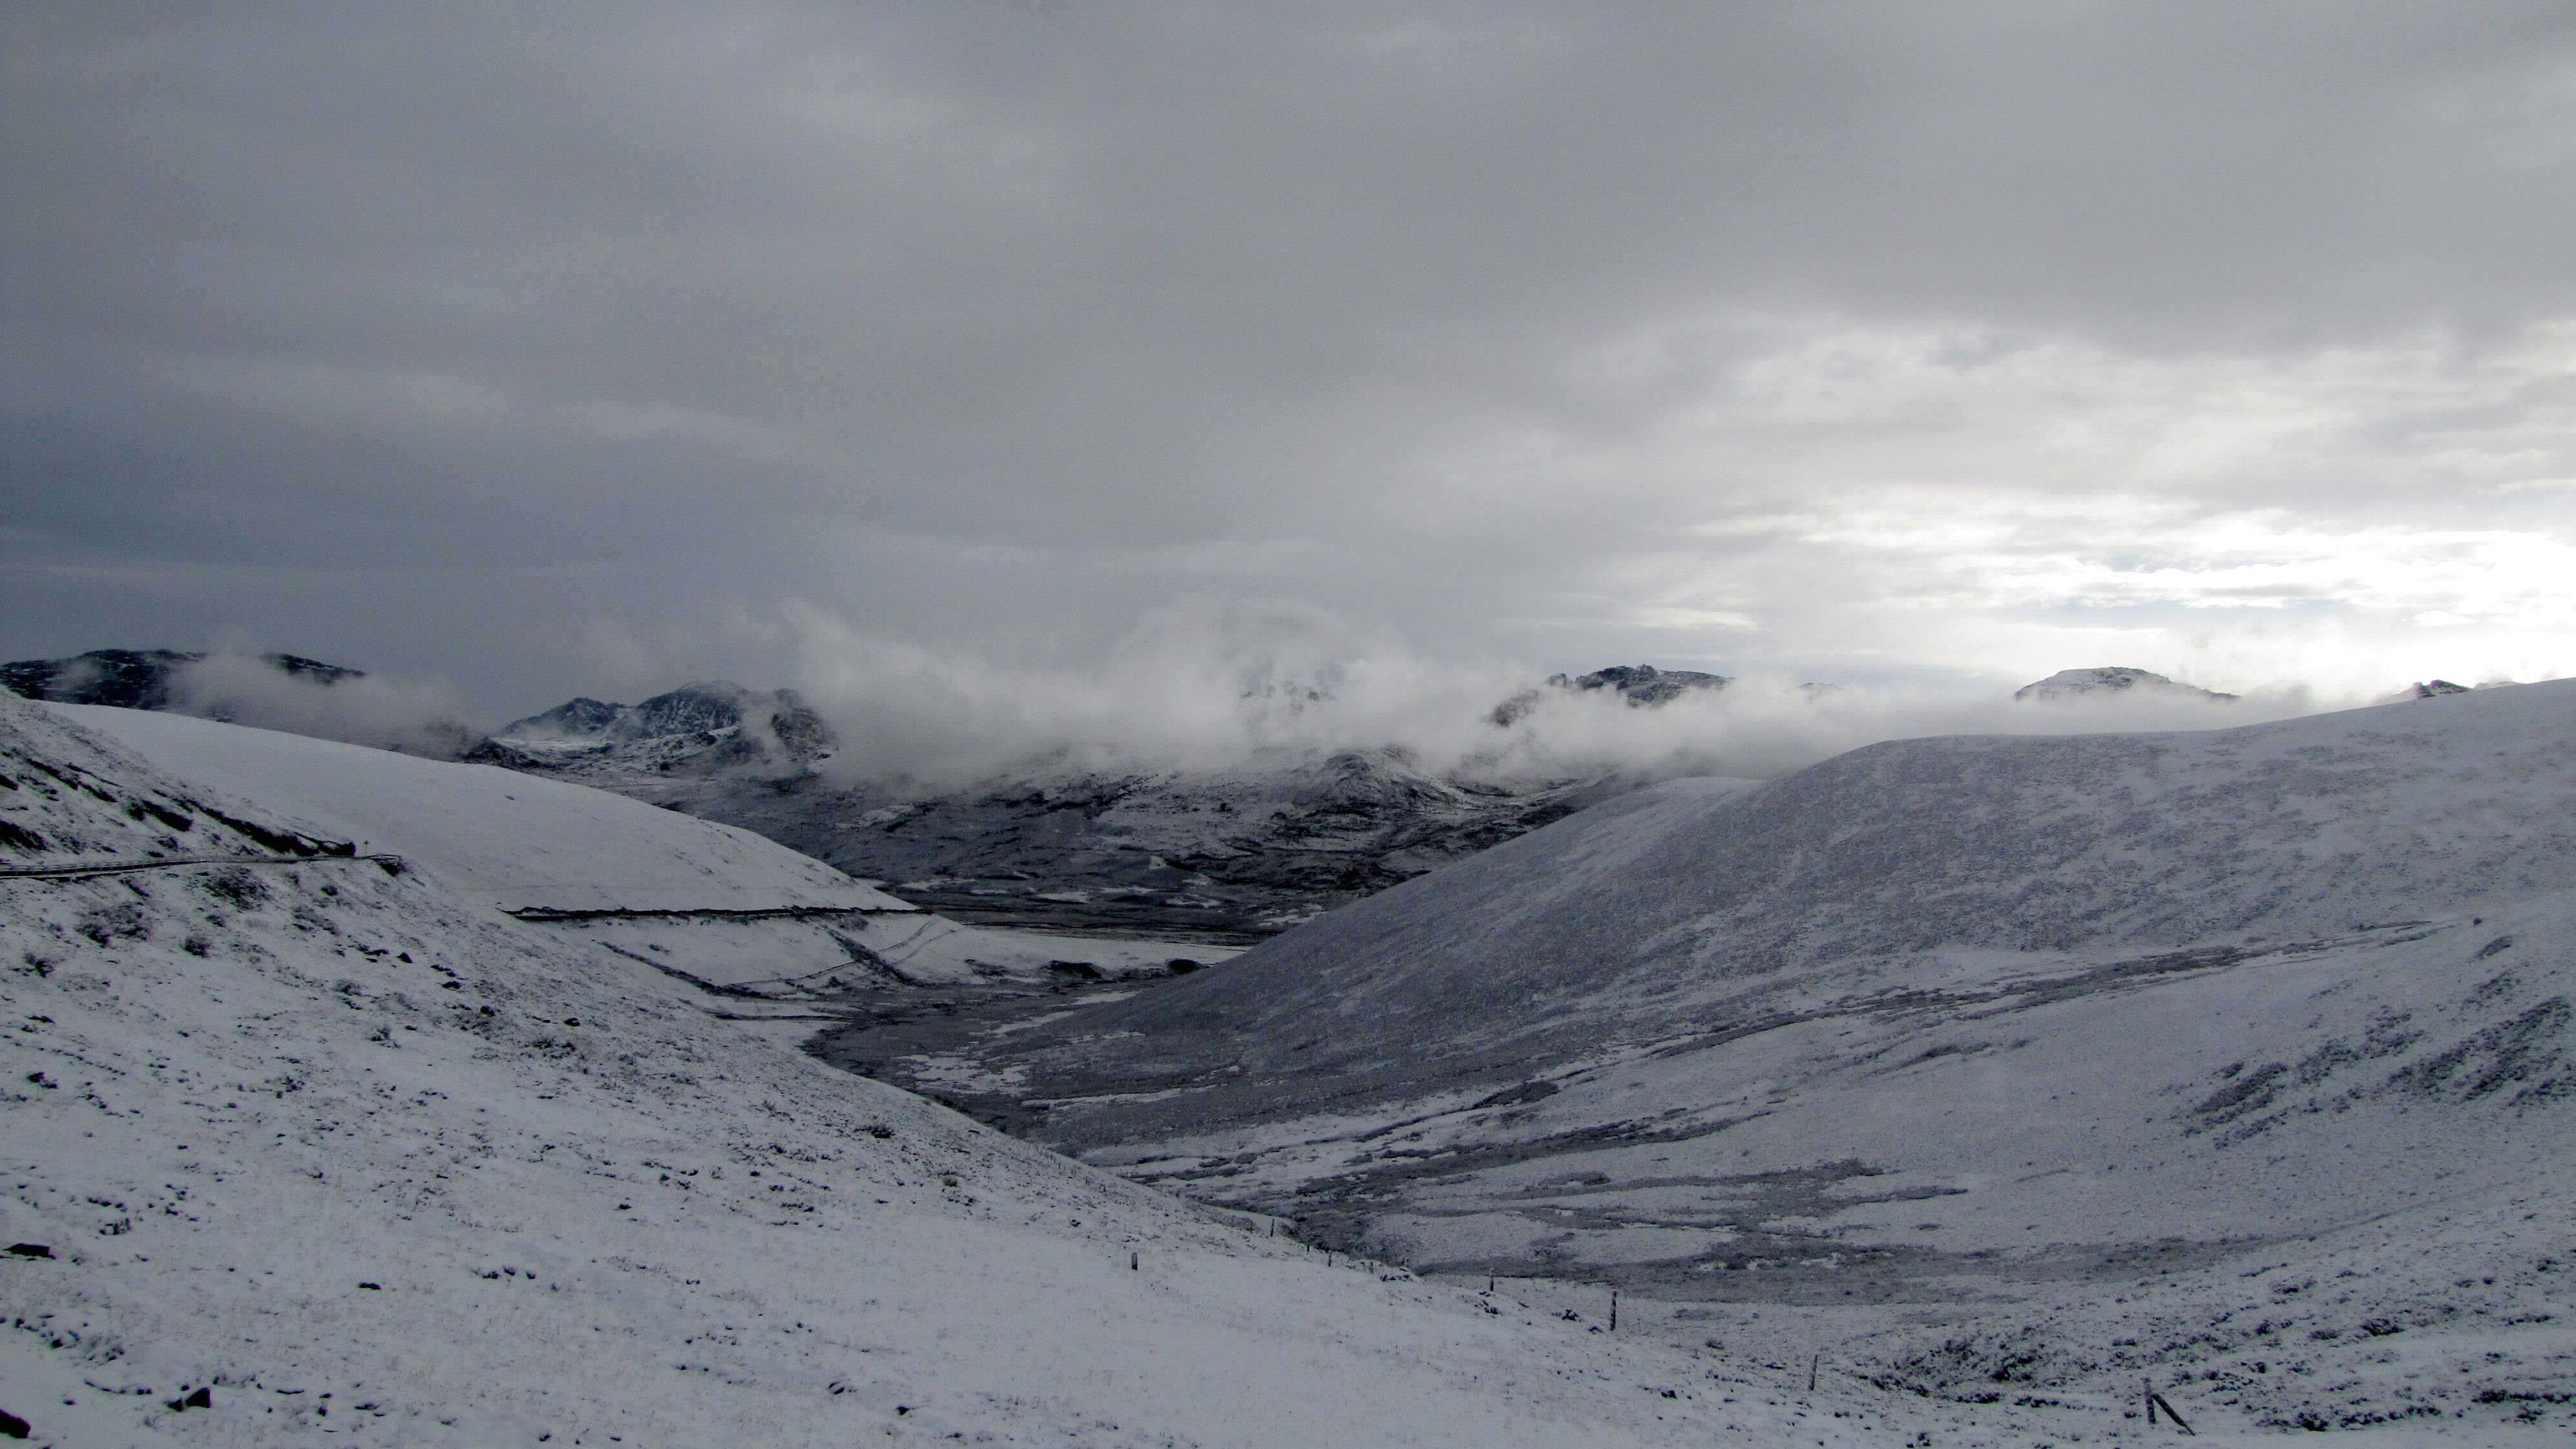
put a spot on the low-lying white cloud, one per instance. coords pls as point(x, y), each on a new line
point(1185, 693)
point(415, 716)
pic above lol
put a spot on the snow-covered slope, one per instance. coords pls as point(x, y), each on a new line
point(524, 843)
point(1703, 905)
point(710, 902)
point(352, 1153)
point(2068, 685)
point(2263, 1033)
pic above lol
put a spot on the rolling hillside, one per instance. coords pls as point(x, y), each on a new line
point(1945, 1041)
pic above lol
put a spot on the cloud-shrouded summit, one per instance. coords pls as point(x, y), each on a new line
point(559, 351)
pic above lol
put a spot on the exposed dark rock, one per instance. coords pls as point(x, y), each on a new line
point(699, 730)
point(135, 678)
point(580, 718)
point(1644, 684)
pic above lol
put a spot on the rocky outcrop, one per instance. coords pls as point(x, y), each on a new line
point(1644, 684)
point(706, 729)
point(1641, 685)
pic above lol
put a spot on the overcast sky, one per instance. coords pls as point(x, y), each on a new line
point(586, 348)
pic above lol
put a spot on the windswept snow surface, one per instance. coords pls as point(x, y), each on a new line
point(2019, 1066)
point(355, 1154)
point(521, 842)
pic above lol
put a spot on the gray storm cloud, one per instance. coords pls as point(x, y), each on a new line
point(1818, 340)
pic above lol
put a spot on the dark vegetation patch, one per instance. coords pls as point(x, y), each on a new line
point(234, 886)
point(2527, 1050)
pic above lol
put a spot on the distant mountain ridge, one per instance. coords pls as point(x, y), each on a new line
point(136, 678)
point(1640, 685)
point(1229, 855)
point(1233, 854)
point(707, 728)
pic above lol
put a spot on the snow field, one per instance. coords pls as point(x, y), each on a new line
point(517, 840)
point(514, 1189)
point(2001, 1064)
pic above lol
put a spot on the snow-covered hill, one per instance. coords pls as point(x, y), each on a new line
point(303, 1144)
point(709, 902)
point(2047, 1061)
point(711, 728)
point(2082, 684)
point(528, 844)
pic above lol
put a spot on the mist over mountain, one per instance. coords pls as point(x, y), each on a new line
point(1232, 851)
point(141, 678)
point(270, 691)
point(1173, 793)
point(1298, 814)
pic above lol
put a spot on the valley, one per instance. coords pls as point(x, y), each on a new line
point(1979, 1076)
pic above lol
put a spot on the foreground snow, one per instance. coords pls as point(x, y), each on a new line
point(359, 1154)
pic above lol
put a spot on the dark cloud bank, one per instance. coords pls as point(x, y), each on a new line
point(1048, 362)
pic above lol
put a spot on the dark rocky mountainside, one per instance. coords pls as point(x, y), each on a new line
point(1640, 685)
point(1232, 856)
point(136, 678)
point(700, 730)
